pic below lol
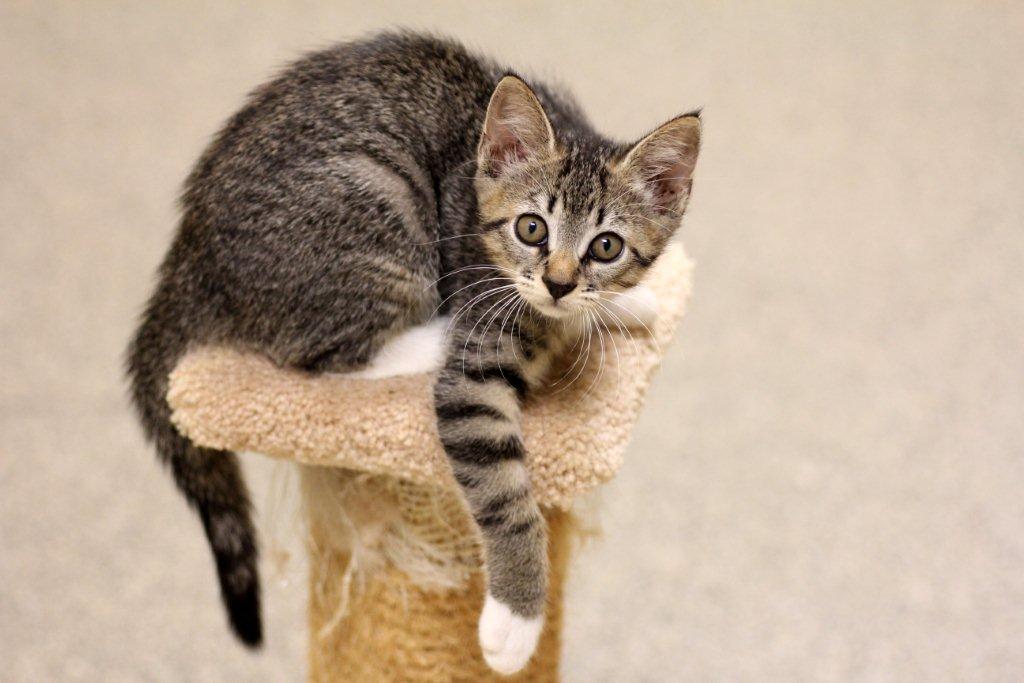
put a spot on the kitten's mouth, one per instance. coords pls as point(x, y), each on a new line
point(551, 310)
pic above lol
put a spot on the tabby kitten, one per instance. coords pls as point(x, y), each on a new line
point(365, 188)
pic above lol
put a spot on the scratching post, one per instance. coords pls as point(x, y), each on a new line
point(395, 630)
point(395, 581)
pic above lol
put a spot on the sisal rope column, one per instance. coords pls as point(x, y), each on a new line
point(395, 630)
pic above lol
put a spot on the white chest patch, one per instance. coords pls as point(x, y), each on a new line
point(416, 350)
point(421, 349)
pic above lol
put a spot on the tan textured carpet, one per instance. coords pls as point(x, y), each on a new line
point(827, 480)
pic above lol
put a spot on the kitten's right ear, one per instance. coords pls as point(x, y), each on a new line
point(661, 165)
point(515, 130)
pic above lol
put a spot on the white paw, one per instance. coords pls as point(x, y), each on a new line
point(507, 640)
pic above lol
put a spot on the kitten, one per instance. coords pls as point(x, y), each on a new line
point(367, 187)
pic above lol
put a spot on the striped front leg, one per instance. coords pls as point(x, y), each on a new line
point(477, 398)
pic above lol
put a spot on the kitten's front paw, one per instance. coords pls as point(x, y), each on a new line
point(507, 640)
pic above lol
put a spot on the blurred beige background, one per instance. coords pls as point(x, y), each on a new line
point(827, 484)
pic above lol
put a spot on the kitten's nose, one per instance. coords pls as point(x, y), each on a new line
point(558, 289)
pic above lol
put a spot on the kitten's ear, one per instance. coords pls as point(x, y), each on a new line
point(515, 129)
point(662, 163)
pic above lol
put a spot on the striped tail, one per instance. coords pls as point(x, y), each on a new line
point(210, 480)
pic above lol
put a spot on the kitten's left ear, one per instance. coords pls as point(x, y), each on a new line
point(515, 129)
point(662, 163)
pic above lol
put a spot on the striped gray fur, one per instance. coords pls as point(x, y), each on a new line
point(366, 187)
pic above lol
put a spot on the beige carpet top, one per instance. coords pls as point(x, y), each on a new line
point(575, 433)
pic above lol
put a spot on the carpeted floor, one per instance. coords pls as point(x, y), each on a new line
point(827, 482)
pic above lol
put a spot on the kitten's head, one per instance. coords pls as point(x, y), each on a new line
point(568, 216)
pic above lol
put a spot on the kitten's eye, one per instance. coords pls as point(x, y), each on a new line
point(532, 229)
point(606, 246)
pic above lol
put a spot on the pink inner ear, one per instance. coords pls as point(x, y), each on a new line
point(669, 185)
point(504, 151)
point(663, 163)
point(515, 128)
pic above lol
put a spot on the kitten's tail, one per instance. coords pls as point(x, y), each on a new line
point(211, 480)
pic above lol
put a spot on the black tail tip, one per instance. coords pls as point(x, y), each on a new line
point(250, 633)
point(234, 550)
point(244, 613)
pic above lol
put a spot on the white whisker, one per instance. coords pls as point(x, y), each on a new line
point(600, 368)
point(471, 303)
point(478, 266)
point(508, 302)
point(639, 320)
point(469, 336)
point(585, 359)
point(471, 284)
point(615, 347)
point(445, 239)
point(624, 329)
